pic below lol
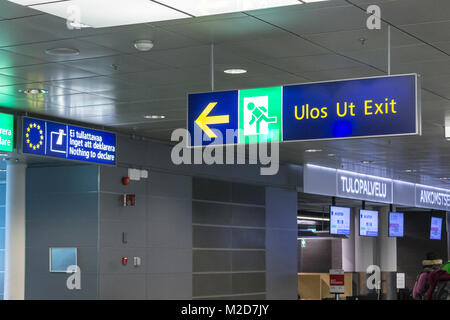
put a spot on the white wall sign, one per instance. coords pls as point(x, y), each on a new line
point(337, 281)
point(364, 187)
point(400, 281)
point(347, 184)
point(434, 198)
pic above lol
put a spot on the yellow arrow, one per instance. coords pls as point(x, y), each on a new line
point(203, 120)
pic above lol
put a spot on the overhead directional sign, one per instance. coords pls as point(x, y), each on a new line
point(6, 132)
point(53, 139)
point(204, 120)
point(365, 107)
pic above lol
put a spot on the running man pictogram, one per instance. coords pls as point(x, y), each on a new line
point(259, 114)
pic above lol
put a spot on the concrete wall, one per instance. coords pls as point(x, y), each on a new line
point(62, 211)
point(229, 247)
point(281, 243)
point(316, 256)
point(81, 206)
point(157, 230)
point(2, 226)
point(413, 248)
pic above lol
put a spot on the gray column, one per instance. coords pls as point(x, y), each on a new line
point(281, 244)
point(387, 256)
point(365, 248)
point(348, 245)
point(387, 247)
point(15, 231)
point(448, 236)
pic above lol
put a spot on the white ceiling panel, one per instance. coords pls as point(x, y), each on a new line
point(415, 11)
point(92, 84)
point(45, 72)
point(122, 40)
point(8, 81)
point(112, 13)
point(78, 100)
point(361, 39)
point(10, 59)
point(38, 50)
point(331, 19)
point(313, 63)
point(430, 32)
point(274, 48)
point(20, 31)
point(226, 29)
point(212, 7)
point(110, 65)
point(110, 83)
point(52, 90)
point(13, 11)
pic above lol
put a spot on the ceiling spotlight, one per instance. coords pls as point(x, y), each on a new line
point(62, 52)
point(332, 155)
point(154, 116)
point(235, 71)
point(313, 150)
point(143, 45)
point(410, 170)
point(34, 91)
point(366, 161)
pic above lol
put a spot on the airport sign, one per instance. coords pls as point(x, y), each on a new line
point(6, 132)
point(342, 109)
point(65, 141)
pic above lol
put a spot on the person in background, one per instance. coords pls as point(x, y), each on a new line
point(446, 267)
point(422, 285)
point(435, 278)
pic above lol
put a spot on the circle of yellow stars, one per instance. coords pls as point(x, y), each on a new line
point(31, 129)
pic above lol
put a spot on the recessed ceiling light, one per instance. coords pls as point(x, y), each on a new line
point(62, 52)
point(143, 45)
point(410, 170)
point(313, 150)
point(366, 161)
point(107, 13)
point(152, 116)
point(34, 91)
point(445, 178)
point(235, 71)
point(331, 155)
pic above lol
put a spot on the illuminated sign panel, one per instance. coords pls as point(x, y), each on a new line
point(364, 187)
point(396, 224)
point(339, 220)
point(436, 228)
point(6, 132)
point(351, 108)
point(368, 223)
point(430, 197)
point(366, 107)
point(347, 184)
point(46, 138)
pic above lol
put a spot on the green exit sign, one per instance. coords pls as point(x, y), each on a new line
point(6, 132)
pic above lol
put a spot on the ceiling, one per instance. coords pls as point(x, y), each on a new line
point(112, 84)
